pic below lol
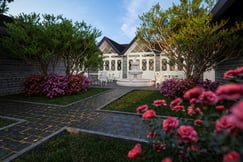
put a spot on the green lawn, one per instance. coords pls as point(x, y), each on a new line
point(61, 100)
point(84, 148)
point(132, 100)
point(5, 122)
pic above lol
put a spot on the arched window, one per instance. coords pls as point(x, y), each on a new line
point(107, 65)
point(144, 64)
point(119, 65)
point(113, 62)
point(151, 64)
point(164, 65)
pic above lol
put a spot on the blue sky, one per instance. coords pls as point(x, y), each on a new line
point(117, 19)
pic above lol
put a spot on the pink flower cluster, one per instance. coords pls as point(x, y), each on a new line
point(187, 134)
point(77, 84)
point(135, 152)
point(141, 109)
point(234, 73)
point(170, 124)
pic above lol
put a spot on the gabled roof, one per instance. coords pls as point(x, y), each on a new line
point(4, 19)
point(119, 48)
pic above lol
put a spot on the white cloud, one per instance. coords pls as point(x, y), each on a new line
point(134, 9)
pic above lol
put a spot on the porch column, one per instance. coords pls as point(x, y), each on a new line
point(124, 67)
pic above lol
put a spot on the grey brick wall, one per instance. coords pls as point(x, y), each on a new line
point(227, 65)
point(14, 71)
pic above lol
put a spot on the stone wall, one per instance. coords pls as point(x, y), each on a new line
point(13, 72)
point(227, 65)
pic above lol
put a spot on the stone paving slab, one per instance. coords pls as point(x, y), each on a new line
point(43, 120)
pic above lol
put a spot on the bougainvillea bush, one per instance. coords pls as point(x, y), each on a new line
point(173, 88)
point(32, 85)
point(78, 84)
point(213, 137)
point(55, 85)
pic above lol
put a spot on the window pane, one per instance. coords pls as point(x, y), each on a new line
point(151, 64)
point(144, 64)
point(164, 65)
point(119, 65)
point(113, 65)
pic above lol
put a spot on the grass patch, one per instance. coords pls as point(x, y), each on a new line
point(60, 100)
point(132, 100)
point(5, 122)
point(84, 148)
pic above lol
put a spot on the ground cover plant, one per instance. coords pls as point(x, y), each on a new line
point(60, 100)
point(5, 122)
point(85, 148)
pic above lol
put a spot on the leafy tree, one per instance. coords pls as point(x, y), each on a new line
point(190, 38)
point(3, 5)
point(32, 40)
point(79, 48)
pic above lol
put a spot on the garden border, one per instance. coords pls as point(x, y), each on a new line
point(71, 130)
point(18, 121)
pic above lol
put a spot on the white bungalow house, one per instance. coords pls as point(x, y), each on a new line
point(117, 60)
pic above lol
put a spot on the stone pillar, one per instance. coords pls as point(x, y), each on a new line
point(124, 67)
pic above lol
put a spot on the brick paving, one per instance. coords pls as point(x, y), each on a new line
point(43, 120)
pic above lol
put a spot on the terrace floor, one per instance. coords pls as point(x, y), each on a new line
point(37, 121)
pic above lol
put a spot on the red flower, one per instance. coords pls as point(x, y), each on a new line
point(224, 124)
point(151, 135)
point(208, 98)
point(197, 122)
point(175, 102)
point(169, 124)
point(232, 156)
point(149, 114)
point(187, 134)
point(193, 93)
point(178, 108)
point(230, 91)
point(194, 111)
point(167, 160)
point(236, 116)
point(135, 152)
point(220, 107)
point(193, 148)
point(159, 103)
point(142, 108)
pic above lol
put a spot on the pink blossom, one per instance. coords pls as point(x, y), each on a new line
point(142, 108)
point(230, 91)
point(169, 124)
point(194, 111)
point(232, 156)
point(208, 98)
point(224, 124)
point(159, 103)
point(187, 134)
point(193, 148)
point(193, 93)
point(178, 108)
point(220, 107)
point(175, 102)
point(197, 122)
point(158, 146)
point(233, 73)
point(167, 160)
point(149, 114)
point(193, 101)
point(135, 152)
point(151, 135)
point(236, 115)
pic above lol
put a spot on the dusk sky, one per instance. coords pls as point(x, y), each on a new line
point(117, 19)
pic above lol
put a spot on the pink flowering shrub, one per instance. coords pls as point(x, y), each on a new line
point(54, 85)
point(32, 85)
point(77, 84)
point(176, 88)
point(217, 136)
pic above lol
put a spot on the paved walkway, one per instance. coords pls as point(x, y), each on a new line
point(42, 120)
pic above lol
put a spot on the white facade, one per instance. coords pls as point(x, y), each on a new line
point(117, 62)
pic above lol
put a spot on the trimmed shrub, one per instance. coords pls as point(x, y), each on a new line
point(32, 85)
point(77, 84)
point(172, 88)
point(54, 85)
